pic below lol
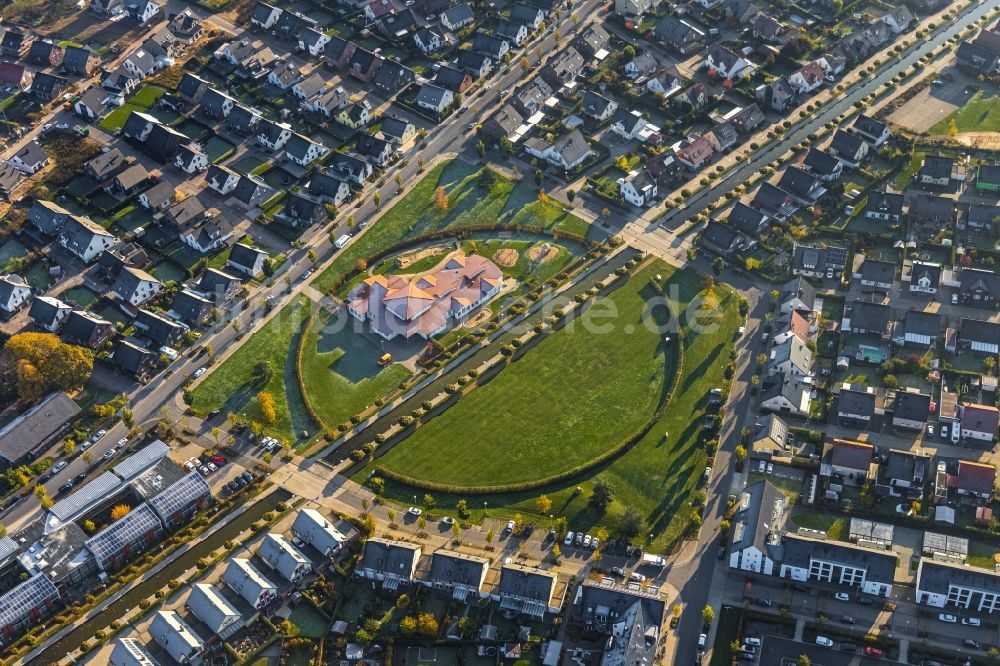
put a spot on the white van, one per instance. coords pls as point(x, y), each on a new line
point(655, 560)
point(342, 241)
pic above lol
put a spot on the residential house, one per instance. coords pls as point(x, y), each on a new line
point(216, 104)
point(462, 575)
point(679, 35)
point(134, 359)
point(979, 336)
point(193, 308)
point(243, 120)
point(563, 68)
point(529, 591)
point(569, 151)
point(264, 15)
point(310, 87)
point(856, 405)
point(977, 60)
point(884, 207)
point(163, 141)
point(628, 618)
point(303, 151)
point(919, 328)
point(807, 78)
point(373, 149)
point(399, 131)
point(726, 63)
point(284, 75)
point(849, 148)
point(376, 9)
point(159, 197)
point(665, 82)
point(873, 131)
point(363, 64)
point(975, 480)
point(355, 115)
point(247, 260)
point(797, 296)
point(192, 88)
point(218, 284)
point(92, 105)
point(869, 571)
point(748, 220)
point(339, 51)
point(458, 17)
point(877, 274)
point(455, 80)
point(329, 187)
point(157, 328)
point(722, 137)
point(930, 209)
point(221, 179)
point(527, 15)
point(290, 24)
point(936, 170)
point(15, 44)
point(979, 423)
point(45, 54)
point(823, 165)
point(313, 41)
point(49, 313)
point(941, 583)
point(980, 216)
point(629, 125)
point(128, 181)
point(428, 39)
point(84, 238)
point(910, 410)
point(185, 26)
point(314, 529)
point(776, 95)
point(899, 19)
point(282, 556)
point(475, 63)
point(138, 125)
point(14, 293)
point(120, 83)
point(792, 358)
point(979, 288)
point(813, 261)
point(925, 277)
point(774, 201)
point(327, 104)
point(88, 329)
point(720, 237)
point(694, 152)
point(638, 188)
point(162, 45)
point(355, 168)
point(391, 562)
point(210, 235)
point(245, 580)
point(489, 45)
point(786, 395)
point(15, 75)
point(597, 106)
point(748, 119)
point(213, 610)
point(273, 135)
point(434, 98)
point(175, 636)
point(135, 286)
point(10, 177)
point(301, 211)
point(512, 31)
point(531, 98)
point(393, 78)
point(759, 519)
point(593, 41)
point(30, 159)
point(802, 185)
point(47, 87)
point(81, 61)
point(696, 97)
point(139, 64)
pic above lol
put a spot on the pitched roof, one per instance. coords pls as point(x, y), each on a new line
point(873, 317)
point(911, 405)
point(976, 477)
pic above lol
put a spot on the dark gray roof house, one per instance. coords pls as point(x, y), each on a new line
point(192, 88)
point(563, 68)
point(383, 558)
point(593, 39)
point(88, 329)
point(879, 567)
point(870, 318)
point(746, 219)
point(822, 164)
point(247, 260)
point(802, 185)
point(251, 191)
point(630, 617)
point(885, 206)
point(193, 308)
point(455, 80)
point(301, 211)
point(921, 324)
point(81, 60)
point(876, 273)
point(503, 123)
point(47, 86)
point(678, 34)
point(979, 335)
point(909, 406)
point(34, 429)
point(527, 590)
point(242, 119)
point(774, 201)
point(107, 165)
point(596, 105)
point(48, 217)
point(163, 141)
point(458, 571)
point(218, 284)
point(132, 358)
point(157, 328)
point(489, 45)
point(720, 236)
point(10, 176)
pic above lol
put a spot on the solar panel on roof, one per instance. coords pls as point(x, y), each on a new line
point(7, 547)
point(29, 595)
point(82, 499)
point(126, 531)
point(143, 459)
point(180, 495)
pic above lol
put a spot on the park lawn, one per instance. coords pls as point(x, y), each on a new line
point(656, 476)
point(978, 115)
point(340, 369)
point(471, 200)
point(545, 413)
point(524, 267)
point(229, 385)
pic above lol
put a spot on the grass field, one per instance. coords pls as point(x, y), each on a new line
point(340, 369)
point(835, 528)
point(501, 433)
point(980, 114)
point(143, 100)
point(471, 200)
point(229, 387)
point(659, 473)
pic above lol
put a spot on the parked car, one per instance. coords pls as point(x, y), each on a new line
point(847, 619)
point(200, 371)
point(764, 601)
point(872, 651)
point(971, 621)
point(66, 487)
point(122, 442)
point(842, 596)
point(968, 642)
point(637, 577)
point(568, 541)
point(59, 466)
point(109, 454)
point(618, 571)
point(947, 617)
point(586, 540)
point(824, 641)
point(414, 511)
point(510, 527)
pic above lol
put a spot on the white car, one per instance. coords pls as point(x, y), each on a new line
point(122, 442)
point(762, 466)
point(842, 596)
point(97, 436)
point(200, 371)
point(586, 540)
point(945, 617)
point(190, 465)
point(770, 468)
point(702, 642)
point(637, 577)
point(510, 526)
point(448, 520)
point(824, 641)
point(109, 454)
point(414, 511)
point(568, 541)
point(59, 466)
point(971, 621)
point(204, 470)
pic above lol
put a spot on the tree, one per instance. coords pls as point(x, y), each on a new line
point(311, 254)
point(804, 659)
point(717, 265)
point(456, 530)
point(266, 403)
point(440, 198)
point(629, 52)
point(629, 523)
point(377, 198)
point(525, 65)
point(539, 176)
point(68, 447)
point(544, 504)
point(119, 511)
point(707, 613)
point(391, 513)
point(606, 212)
point(399, 179)
point(427, 624)
point(506, 147)
point(952, 128)
point(489, 535)
point(408, 625)
point(724, 526)
point(890, 381)
point(89, 527)
point(3, 531)
point(570, 195)
point(480, 148)
point(422, 523)
point(562, 525)
point(428, 500)
point(378, 484)
point(38, 363)
point(741, 455)
point(675, 611)
point(262, 373)
point(128, 418)
point(40, 492)
point(603, 495)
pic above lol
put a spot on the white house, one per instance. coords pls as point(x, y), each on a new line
point(14, 293)
point(175, 636)
point(979, 422)
point(30, 159)
point(727, 63)
point(311, 527)
point(638, 188)
point(303, 151)
point(568, 151)
point(434, 98)
point(190, 159)
point(283, 557)
point(209, 606)
point(941, 583)
point(85, 238)
point(245, 580)
point(758, 521)
point(392, 562)
point(273, 135)
point(849, 566)
point(135, 286)
point(313, 42)
point(427, 40)
point(807, 78)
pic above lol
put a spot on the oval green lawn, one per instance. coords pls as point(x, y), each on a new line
point(574, 395)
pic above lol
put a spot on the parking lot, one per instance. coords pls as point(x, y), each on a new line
point(934, 103)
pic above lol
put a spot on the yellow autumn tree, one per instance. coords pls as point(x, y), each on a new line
point(266, 402)
point(119, 511)
point(41, 362)
point(440, 199)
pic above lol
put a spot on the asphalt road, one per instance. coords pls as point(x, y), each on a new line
point(799, 132)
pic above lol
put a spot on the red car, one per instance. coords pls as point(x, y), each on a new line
point(873, 651)
point(219, 460)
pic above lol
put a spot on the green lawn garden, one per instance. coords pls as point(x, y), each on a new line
point(545, 413)
point(980, 114)
point(472, 199)
point(340, 369)
point(230, 386)
point(143, 100)
point(656, 476)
